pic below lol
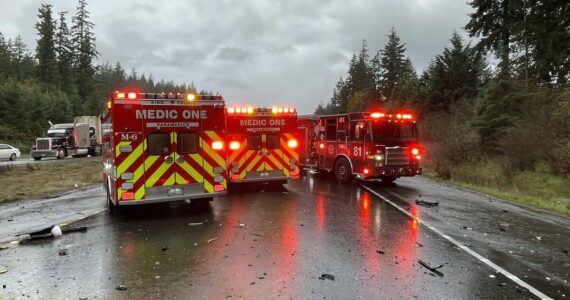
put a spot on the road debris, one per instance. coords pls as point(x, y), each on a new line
point(434, 270)
point(501, 284)
point(76, 229)
point(241, 225)
point(466, 228)
point(380, 252)
point(492, 276)
point(325, 276)
point(539, 238)
point(3, 270)
point(56, 231)
point(121, 287)
point(419, 244)
point(212, 240)
point(426, 203)
point(196, 224)
point(164, 249)
point(62, 252)
point(503, 226)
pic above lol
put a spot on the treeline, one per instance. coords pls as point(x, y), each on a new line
point(514, 114)
point(60, 79)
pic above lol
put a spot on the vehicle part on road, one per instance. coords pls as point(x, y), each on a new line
point(121, 287)
point(263, 145)
point(195, 224)
point(377, 145)
point(432, 269)
point(62, 252)
point(56, 231)
point(343, 170)
point(426, 203)
point(212, 240)
point(380, 252)
point(326, 276)
point(164, 147)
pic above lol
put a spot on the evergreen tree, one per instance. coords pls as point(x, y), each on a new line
point(499, 24)
point(64, 51)
point(453, 75)
point(4, 58)
point(45, 49)
point(360, 81)
point(22, 62)
point(83, 41)
point(395, 70)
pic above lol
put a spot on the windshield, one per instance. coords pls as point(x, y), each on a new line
point(392, 133)
point(56, 133)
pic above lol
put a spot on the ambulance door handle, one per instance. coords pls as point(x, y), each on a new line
point(168, 159)
point(260, 153)
point(267, 153)
point(179, 159)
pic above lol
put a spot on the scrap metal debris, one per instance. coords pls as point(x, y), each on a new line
point(212, 240)
point(380, 252)
point(434, 270)
point(325, 276)
point(426, 203)
point(121, 287)
point(196, 224)
point(503, 226)
point(62, 252)
point(56, 231)
point(3, 270)
point(164, 249)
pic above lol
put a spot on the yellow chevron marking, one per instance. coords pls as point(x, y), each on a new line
point(151, 181)
point(171, 180)
point(137, 152)
point(140, 193)
point(118, 147)
point(212, 153)
point(194, 173)
point(253, 162)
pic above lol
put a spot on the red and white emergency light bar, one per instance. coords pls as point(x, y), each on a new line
point(252, 110)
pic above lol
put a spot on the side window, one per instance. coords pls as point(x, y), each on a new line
point(273, 141)
point(341, 136)
point(158, 143)
point(330, 130)
point(254, 142)
point(188, 143)
point(357, 131)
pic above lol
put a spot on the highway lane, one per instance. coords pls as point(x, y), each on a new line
point(277, 243)
point(22, 161)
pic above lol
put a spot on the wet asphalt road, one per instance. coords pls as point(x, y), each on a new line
point(275, 243)
point(30, 161)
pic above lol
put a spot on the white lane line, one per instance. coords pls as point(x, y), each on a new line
point(478, 256)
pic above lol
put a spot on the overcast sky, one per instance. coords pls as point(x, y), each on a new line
point(257, 52)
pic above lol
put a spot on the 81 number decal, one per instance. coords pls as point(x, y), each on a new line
point(357, 151)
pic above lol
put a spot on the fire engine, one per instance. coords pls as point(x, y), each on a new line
point(368, 145)
point(262, 144)
point(160, 147)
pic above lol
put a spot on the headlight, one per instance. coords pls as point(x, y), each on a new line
point(378, 157)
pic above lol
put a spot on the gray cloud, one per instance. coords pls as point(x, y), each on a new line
point(259, 52)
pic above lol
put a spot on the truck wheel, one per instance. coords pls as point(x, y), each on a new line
point(13, 156)
point(61, 153)
point(37, 158)
point(343, 171)
point(388, 179)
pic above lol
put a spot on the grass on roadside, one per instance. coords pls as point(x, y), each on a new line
point(538, 188)
point(44, 180)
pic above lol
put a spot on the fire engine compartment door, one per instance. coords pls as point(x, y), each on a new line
point(189, 160)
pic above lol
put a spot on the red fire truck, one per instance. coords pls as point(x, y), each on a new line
point(368, 145)
point(160, 147)
point(262, 144)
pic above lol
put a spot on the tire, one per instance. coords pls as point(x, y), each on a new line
point(13, 157)
point(37, 158)
point(61, 153)
point(343, 171)
point(388, 179)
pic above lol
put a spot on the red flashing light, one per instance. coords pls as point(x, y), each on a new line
point(217, 145)
point(235, 177)
point(234, 145)
point(366, 171)
point(292, 144)
point(128, 196)
point(415, 151)
point(218, 188)
point(322, 146)
point(377, 115)
point(132, 96)
point(231, 110)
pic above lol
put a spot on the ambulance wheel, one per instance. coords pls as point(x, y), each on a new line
point(343, 171)
point(388, 179)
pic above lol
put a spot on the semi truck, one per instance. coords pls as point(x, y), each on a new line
point(80, 138)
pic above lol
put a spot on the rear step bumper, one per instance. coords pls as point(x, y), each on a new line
point(170, 199)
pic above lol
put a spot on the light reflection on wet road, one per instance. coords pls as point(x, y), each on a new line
point(264, 244)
